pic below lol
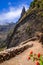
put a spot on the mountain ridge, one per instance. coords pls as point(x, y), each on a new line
point(26, 26)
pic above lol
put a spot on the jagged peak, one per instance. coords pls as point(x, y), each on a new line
point(23, 11)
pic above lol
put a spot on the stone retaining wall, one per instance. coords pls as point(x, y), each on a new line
point(12, 52)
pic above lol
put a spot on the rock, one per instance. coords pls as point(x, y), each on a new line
point(12, 52)
point(41, 38)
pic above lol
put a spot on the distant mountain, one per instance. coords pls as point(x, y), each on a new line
point(4, 30)
point(7, 27)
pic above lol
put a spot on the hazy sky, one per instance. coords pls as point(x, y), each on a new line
point(10, 10)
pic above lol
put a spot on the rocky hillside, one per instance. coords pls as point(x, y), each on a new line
point(28, 25)
point(4, 30)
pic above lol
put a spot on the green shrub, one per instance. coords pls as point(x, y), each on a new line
point(36, 3)
point(28, 30)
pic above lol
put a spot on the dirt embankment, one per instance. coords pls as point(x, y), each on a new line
point(21, 59)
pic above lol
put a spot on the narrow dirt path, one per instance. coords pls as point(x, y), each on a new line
point(21, 59)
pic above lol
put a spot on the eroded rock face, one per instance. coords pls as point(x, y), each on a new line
point(26, 28)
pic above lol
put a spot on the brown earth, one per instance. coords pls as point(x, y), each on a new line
point(21, 59)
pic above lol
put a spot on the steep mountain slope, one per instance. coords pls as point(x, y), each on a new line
point(30, 23)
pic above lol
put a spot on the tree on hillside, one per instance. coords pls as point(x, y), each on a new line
point(35, 0)
point(36, 3)
point(32, 5)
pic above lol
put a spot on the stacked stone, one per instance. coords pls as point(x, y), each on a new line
point(12, 52)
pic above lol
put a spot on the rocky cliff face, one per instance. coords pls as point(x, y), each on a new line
point(30, 23)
